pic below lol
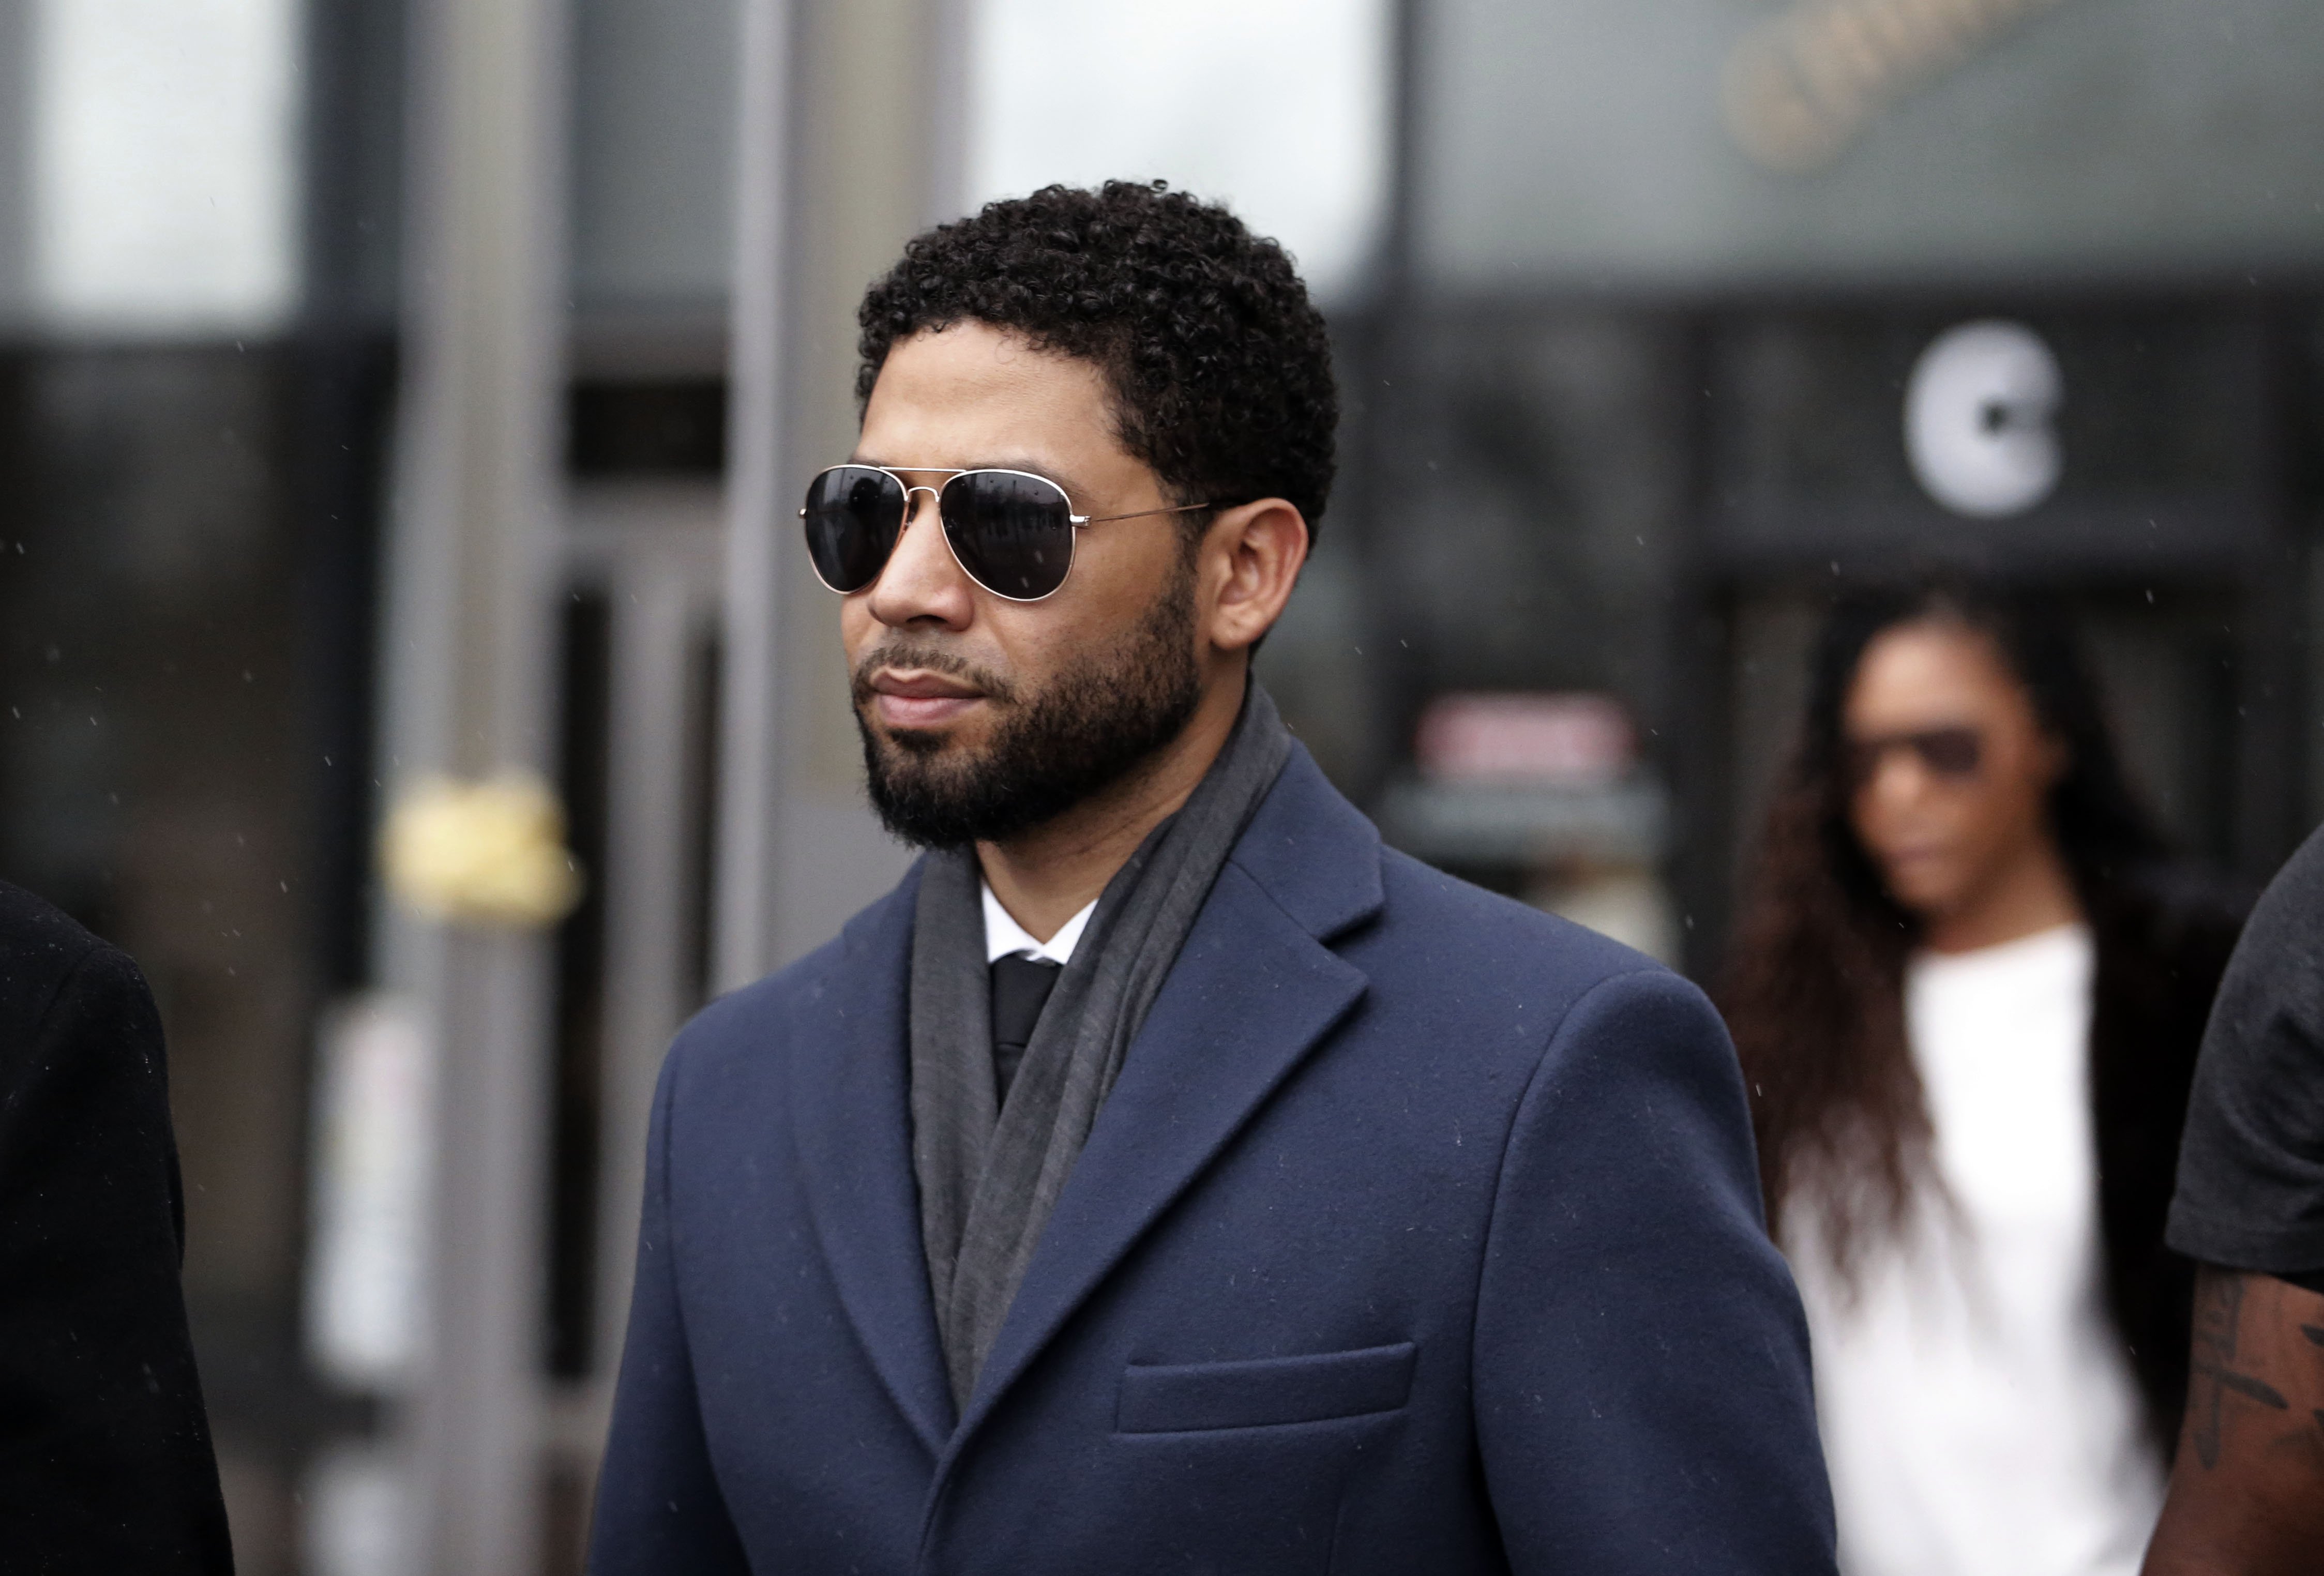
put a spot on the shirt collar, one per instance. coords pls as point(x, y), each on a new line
point(1003, 937)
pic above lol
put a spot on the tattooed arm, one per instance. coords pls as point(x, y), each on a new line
point(2247, 1491)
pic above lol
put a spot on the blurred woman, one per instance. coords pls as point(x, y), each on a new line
point(1968, 991)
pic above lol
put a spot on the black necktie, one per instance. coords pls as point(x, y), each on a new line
point(1020, 988)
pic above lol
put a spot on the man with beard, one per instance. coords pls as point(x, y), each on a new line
point(1165, 1175)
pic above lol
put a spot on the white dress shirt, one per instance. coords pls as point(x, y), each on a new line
point(1003, 935)
point(1978, 1415)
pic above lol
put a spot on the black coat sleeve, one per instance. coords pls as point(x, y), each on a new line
point(105, 1462)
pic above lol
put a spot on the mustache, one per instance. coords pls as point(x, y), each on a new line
point(908, 654)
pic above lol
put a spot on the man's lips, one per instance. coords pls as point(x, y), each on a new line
point(916, 698)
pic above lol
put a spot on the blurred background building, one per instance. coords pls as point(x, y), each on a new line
point(398, 396)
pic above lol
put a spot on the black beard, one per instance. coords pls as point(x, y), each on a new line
point(1094, 725)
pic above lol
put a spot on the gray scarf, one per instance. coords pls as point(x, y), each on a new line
point(988, 1178)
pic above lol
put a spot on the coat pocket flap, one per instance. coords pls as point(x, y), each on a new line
point(1190, 1397)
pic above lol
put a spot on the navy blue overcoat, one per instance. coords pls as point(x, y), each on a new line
point(1420, 1234)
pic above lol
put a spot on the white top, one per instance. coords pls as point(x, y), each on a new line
point(1978, 1415)
point(1003, 935)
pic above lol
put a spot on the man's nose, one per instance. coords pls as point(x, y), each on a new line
point(921, 580)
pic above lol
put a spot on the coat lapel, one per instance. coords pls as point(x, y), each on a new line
point(852, 1115)
point(1253, 991)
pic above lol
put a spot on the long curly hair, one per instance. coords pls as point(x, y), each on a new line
point(1220, 365)
point(1814, 993)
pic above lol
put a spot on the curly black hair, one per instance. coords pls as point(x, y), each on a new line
point(1219, 363)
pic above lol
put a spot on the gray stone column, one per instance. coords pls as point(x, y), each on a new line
point(851, 131)
point(468, 661)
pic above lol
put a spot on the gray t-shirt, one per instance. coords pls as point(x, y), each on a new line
point(2251, 1171)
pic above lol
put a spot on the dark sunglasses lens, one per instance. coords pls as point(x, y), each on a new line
point(1014, 534)
point(854, 515)
point(1950, 752)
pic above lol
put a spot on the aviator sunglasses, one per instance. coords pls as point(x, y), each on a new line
point(1010, 532)
point(1951, 754)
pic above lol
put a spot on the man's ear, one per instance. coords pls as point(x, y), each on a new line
point(1251, 558)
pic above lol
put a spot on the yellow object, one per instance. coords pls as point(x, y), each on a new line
point(489, 853)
